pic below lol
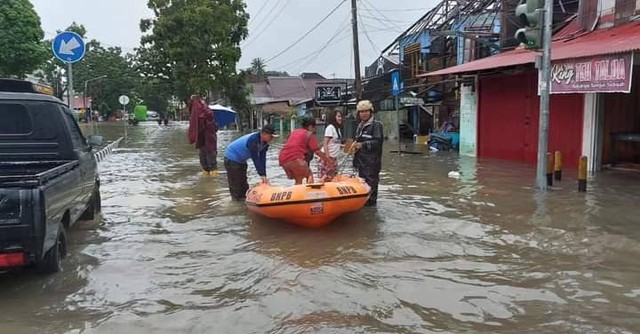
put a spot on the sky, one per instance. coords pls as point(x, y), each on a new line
point(274, 28)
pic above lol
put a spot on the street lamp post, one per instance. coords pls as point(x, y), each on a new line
point(84, 96)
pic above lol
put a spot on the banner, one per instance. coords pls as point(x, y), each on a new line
point(329, 94)
point(598, 74)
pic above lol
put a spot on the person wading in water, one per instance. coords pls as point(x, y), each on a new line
point(368, 145)
point(203, 133)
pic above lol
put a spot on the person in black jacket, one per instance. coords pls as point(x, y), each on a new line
point(368, 145)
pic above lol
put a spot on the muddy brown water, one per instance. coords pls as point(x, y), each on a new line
point(480, 254)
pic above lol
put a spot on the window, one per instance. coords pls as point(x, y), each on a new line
point(16, 119)
point(76, 136)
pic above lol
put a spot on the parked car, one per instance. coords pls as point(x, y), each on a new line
point(48, 176)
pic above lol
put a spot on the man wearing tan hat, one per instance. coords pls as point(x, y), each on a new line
point(368, 145)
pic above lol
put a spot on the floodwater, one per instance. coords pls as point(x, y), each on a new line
point(482, 253)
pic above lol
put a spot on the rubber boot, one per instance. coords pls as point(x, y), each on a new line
point(205, 173)
point(213, 173)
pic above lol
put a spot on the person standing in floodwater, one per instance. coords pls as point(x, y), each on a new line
point(252, 146)
point(203, 133)
point(331, 144)
point(367, 159)
point(299, 147)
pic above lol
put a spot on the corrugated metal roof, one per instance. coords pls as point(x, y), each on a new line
point(288, 87)
point(619, 39)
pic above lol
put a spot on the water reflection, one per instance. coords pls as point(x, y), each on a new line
point(348, 239)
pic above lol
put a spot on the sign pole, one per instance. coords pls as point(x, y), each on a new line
point(72, 102)
point(396, 89)
point(545, 86)
point(398, 119)
point(124, 100)
point(125, 119)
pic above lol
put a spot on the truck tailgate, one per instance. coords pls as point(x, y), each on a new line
point(15, 218)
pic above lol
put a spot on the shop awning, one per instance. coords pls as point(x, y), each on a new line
point(624, 38)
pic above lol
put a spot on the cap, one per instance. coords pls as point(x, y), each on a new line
point(269, 129)
point(364, 105)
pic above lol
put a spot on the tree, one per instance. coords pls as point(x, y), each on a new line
point(121, 78)
point(155, 94)
point(193, 44)
point(237, 92)
point(21, 50)
point(277, 74)
point(258, 68)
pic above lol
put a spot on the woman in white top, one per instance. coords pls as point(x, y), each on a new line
point(332, 143)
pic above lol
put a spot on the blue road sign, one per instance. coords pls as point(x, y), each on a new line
point(68, 47)
point(396, 83)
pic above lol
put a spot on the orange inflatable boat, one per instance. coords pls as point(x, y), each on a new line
point(309, 205)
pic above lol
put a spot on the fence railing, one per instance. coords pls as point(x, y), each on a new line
point(103, 153)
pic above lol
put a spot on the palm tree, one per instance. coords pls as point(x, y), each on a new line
point(258, 68)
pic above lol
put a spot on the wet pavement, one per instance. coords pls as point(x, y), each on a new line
point(480, 254)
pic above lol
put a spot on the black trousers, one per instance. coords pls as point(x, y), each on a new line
point(208, 160)
point(371, 175)
point(237, 178)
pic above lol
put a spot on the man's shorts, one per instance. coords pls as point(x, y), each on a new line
point(297, 169)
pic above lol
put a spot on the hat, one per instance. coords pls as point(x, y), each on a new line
point(364, 105)
point(269, 129)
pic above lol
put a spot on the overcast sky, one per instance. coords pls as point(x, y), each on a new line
point(274, 26)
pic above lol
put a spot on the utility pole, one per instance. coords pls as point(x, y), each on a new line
point(356, 49)
point(545, 87)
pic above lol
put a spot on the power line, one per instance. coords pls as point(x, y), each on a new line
point(255, 38)
point(403, 10)
point(259, 11)
point(341, 29)
point(307, 33)
point(369, 5)
point(366, 34)
point(259, 24)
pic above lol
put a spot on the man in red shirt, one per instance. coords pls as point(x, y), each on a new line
point(292, 155)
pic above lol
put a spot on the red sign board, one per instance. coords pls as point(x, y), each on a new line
point(599, 74)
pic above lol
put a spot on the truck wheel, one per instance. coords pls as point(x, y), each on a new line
point(52, 261)
point(95, 206)
point(97, 200)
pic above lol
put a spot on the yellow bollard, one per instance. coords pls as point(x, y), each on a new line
point(549, 169)
point(582, 175)
point(558, 166)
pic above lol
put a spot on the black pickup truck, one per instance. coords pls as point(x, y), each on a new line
point(48, 176)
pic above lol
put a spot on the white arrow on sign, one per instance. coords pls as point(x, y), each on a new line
point(395, 85)
point(123, 99)
point(66, 48)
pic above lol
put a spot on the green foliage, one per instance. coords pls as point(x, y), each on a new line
point(21, 49)
point(155, 94)
point(237, 93)
point(193, 45)
point(277, 74)
point(77, 28)
point(258, 68)
point(121, 78)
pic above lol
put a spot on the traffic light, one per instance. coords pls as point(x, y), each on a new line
point(531, 34)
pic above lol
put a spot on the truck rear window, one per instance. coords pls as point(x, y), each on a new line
point(15, 119)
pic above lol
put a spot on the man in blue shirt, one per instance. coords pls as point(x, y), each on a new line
point(252, 146)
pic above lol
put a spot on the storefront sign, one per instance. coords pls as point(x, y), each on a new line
point(328, 94)
point(599, 74)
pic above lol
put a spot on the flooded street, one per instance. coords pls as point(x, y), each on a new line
point(479, 254)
